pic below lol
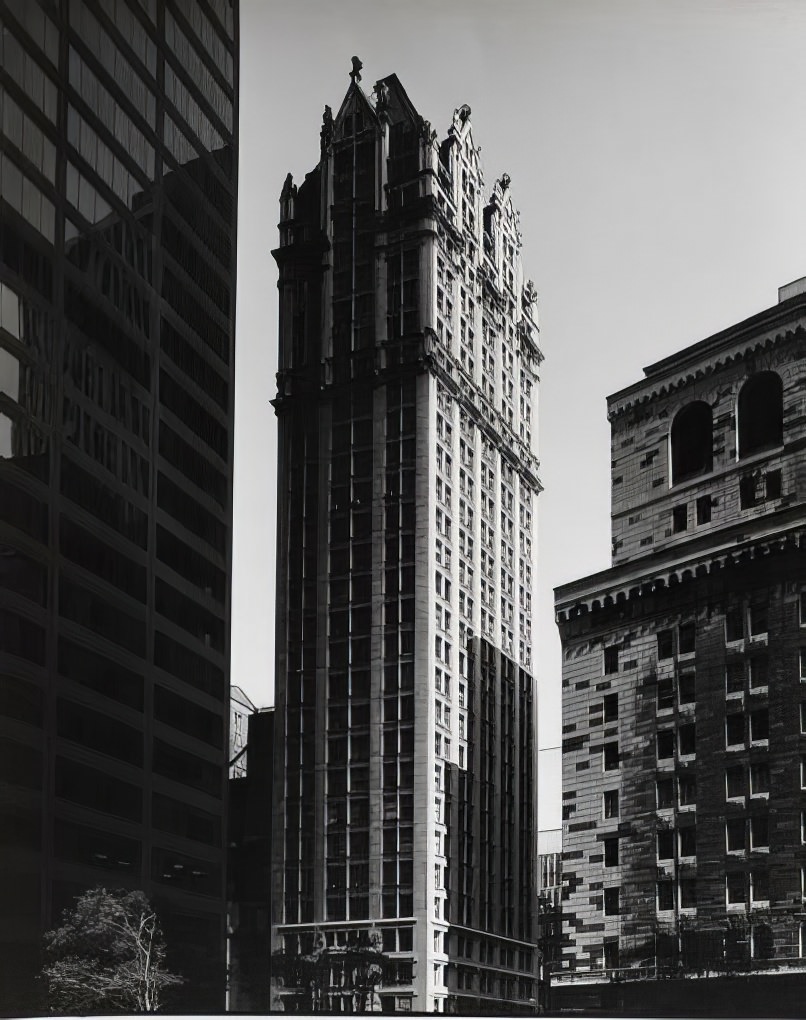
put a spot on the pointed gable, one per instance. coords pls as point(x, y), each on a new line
point(355, 113)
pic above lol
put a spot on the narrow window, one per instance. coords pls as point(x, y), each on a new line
point(610, 804)
point(680, 518)
point(666, 894)
point(688, 893)
point(734, 624)
point(734, 677)
point(772, 484)
point(760, 413)
point(611, 659)
point(664, 790)
point(757, 619)
point(666, 644)
point(611, 901)
point(734, 782)
point(758, 667)
point(687, 790)
point(735, 887)
point(760, 778)
point(686, 688)
point(704, 510)
point(611, 756)
point(610, 708)
point(734, 729)
point(760, 724)
point(759, 833)
point(665, 845)
point(688, 841)
point(665, 740)
point(686, 638)
point(688, 739)
point(611, 852)
point(760, 889)
point(692, 441)
point(735, 829)
point(665, 692)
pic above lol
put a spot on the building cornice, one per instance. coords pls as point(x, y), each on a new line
point(734, 546)
point(755, 336)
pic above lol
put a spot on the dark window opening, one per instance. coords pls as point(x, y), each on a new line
point(760, 413)
point(611, 708)
point(759, 778)
point(666, 894)
point(687, 790)
point(759, 832)
point(665, 644)
point(688, 842)
point(665, 845)
point(692, 442)
point(665, 692)
point(686, 638)
point(735, 830)
point(734, 677)
point(734, 624)
point(772, 484)
point(665, 793)
point(688, 739)
point(611, 659)
point(611, 857)
point(611, 756)
point(611, 901)
point(688, 892)
point(680, 518)
point(665, 744)
point(734, 781)
point(704, 510)
point(734, 729)
point(686, 686)
point(760, 724)
point(611, 803)
point(736, 888)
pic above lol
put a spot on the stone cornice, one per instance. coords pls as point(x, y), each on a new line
point(756, 335)
point(647, 575)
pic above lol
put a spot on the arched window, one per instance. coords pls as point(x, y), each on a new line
point(692, 441)
point(761, 413)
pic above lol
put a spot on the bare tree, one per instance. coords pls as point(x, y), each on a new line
point(107, 956)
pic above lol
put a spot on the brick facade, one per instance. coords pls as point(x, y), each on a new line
point(682, 676)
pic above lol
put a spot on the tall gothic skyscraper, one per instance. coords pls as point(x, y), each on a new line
point(405, 776)
point(118, 178)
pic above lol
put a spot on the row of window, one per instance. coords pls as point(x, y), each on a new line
point(760, 427)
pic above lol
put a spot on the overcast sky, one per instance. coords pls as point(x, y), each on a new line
point(657, 150)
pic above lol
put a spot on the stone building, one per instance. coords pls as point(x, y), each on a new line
point(118, 185)
point(684, 705)
point(405, 772)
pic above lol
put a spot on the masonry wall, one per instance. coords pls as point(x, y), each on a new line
point(671, 775)
point(644, 499)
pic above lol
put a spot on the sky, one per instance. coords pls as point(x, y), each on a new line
point(657, 150)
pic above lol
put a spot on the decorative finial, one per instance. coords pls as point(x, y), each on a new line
point(355, 74)
point(381, 91)
point(326, 134)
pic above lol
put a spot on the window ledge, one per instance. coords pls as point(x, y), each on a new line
point(735, 908)
point(763, 795)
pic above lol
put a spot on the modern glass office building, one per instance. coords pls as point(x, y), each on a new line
point(117, 266)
